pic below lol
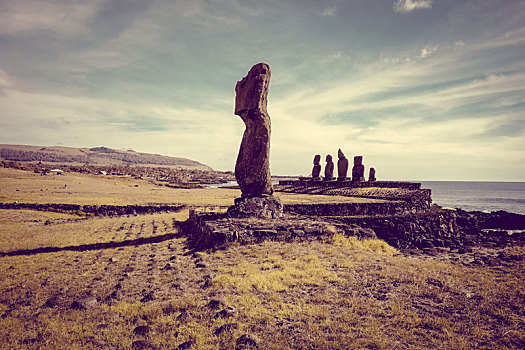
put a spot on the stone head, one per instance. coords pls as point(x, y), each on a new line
point(252, 90)
point(358, 160)
point(328, 158)
point(340, 154)
point(317, 159)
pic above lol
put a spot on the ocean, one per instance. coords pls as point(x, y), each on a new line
point(482, 196)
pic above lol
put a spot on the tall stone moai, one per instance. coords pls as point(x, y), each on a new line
point(252, 169)
point(329, 168)
point(342, 166)
point(316, 170)
point(372, 175)
point(358, 171)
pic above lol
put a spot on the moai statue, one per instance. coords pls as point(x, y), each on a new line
point(329, 169)
point(372, 175)
point(358, 171)
point(342, 166)
point(316, 171)
point(252, 169)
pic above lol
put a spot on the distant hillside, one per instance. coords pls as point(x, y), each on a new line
point(93, 156)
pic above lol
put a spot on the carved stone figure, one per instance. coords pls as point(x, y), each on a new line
point(358, 171)
point(342, 166)
point(372, 175)
point(252, 170)
point(316, 171)
point(329, 169)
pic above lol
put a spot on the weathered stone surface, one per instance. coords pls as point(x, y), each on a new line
point(424, 229)
point(85, 303)
point(329, 168)
point(148, 297)
point(252, 169)
point(225, 313)
point(228, 327)
point(247, 341)
point(372, 175)
point(216, 303)
point(186, 345)
point(142, 344)
point(342, 166)
point(142, 330)
point(358, 171)
point(96, 210)
point(267, 207)
point(316, 171)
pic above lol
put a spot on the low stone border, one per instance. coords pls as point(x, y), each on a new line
point(349, 209)
point(94, 210)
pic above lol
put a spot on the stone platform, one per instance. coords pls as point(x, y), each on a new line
point(399, 213)
point(208, 230)
point(408, 195)
point(350, 184)
point(429, 230)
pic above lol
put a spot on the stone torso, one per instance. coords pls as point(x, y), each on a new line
point(316, 170)
point(342, 166)
point(358, 171)
point(329, 168)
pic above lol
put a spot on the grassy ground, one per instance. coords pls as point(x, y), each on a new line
point(76, 188)
point(339, 293)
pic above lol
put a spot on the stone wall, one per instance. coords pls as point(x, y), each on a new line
point(421, 230)
point(94, 210)
point(416, 199)
point(441, 228)
point(206, 230)
point(432, 229)
point(352, 184)
point(348, 209)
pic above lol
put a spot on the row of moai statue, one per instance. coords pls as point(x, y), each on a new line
point(358, 170)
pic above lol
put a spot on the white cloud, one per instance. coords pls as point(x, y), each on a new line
point(79, 122)
point(408, 6)
point(428, 51)
point(30, 16)
point(329, 11)
point(8, 82)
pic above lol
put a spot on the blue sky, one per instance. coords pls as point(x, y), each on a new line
point(423, 89)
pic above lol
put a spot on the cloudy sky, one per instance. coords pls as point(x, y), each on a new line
point(423, 89)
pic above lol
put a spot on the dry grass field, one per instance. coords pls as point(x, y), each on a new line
point(74, 188)
point(135, 284)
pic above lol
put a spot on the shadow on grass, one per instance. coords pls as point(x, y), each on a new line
point(95, 246)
